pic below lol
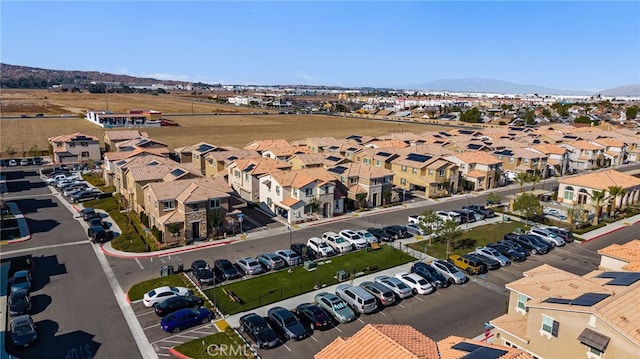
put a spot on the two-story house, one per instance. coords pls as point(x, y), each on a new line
point(187, 209)
point(556, 314)
point(324, 144)
point(75, 148)
point(243, 175)
point(521, 160)
point(557, 156)
point(372, 183)
point(264, 145)
point(434, 176)
point(298, 195)
point(112, 138)
point(216, 162)
point(477, 170)
point(615, 151)
point(584, 155)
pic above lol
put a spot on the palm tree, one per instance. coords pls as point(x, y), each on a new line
point(597, 197)
point(615, 192)
point(522, 178)
point(534, 178)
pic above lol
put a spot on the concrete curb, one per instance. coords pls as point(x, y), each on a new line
point(22, 225)
point(177, 354)
point(120, 254)
point(611, 231)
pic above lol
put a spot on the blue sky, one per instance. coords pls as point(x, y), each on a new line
point(564, 45)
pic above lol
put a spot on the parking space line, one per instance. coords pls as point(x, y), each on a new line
point(360, 320)
point(147, 313)
point(314, 338)
point(139, 264)
point(381, 312)
point(163, 354)
point(338, 329)
point(187, 336)
point(420, 299)
point(400, 305)
point(149, 327)
point(286, 347)
point(199, 332)
point(170, 341)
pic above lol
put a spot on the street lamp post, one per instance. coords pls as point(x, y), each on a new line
point(290, 234)
point(468, 204)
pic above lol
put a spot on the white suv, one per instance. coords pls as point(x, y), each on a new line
point(354, 238)
point(321, 247)
point(339, 244)
point(548, 236)
point(449, 216)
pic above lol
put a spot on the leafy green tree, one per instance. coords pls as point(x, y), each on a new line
point(597, 197)
point(472, 116)
point(386, 197)
point(522, 178)
point(632, 112)
point(585, 119)
point(429, 221)
point(534, 178)
point(448, 232)
point(530, 117)
point(493, 198)
point(361, 199)
point(216, 219)
point(529, 205)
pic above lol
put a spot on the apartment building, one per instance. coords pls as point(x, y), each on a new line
point(434, 176)
point(244, 175)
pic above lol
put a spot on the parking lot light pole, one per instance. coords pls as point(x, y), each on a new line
point(290, 234)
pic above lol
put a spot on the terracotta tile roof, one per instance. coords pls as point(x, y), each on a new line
point(289, 202)
point(262, 145)
point(174, 216)
point(583, 145)
point(362, 170)
point(476, 174)
point(115, 156)
point(622, 312)
point(382, 341)
point(259, 166)
point(608, 142)
point(476, 157)
point(549, 149)
point(148, 173)
point(388, 144)
point(301, 178)
point(628, 252)
point(221, 156)
point(73, 137)
point(322, 142)
point(439, 163)
point(514, 324)
point(288, 151)
point(196, 193)
point(171, 190)
point(445, 346)
point(602, 180)
point(135, 142)
point(124, 135)
point(402, 136)
point(310, 159)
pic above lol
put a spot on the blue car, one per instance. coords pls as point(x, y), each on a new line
point(21, 280)
point(185, 318)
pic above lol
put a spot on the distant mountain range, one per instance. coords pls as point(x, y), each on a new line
point(13, 76)
point(497, 86)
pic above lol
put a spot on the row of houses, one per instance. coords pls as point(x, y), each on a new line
point(326, 176)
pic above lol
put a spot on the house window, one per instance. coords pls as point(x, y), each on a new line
point(246, 176)
point(236, 173)
point(568, 193)
point(431, 172)
point(155, 204)
point(526, 161)
point(353, 180)
point(195, 206)
point(308, 191)
point(500, 157)
point(168, 205)
point(521, 306)
point(534, 162)
point(512, 160)
point(295, 192)
point(269, 201)
point(85, 154)
point(278, 190)
point(214, 203)
point(463, 166)
point(403, 181)
point(549, 326)
point(441, 173)
point(403, 168)
point(84, 144)
point(378, 163)
point(593, 352)
point(367, 161)
point(414, 171)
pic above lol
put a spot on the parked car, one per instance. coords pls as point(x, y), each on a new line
point(306, 253)
point(488, 262)
point(397, 232)
point(287, 323)
point(396, 285)
point(513, 244)
point(86, 195)
point(468, 263)
point(565, 234)
point(415, 219)
point(259, 330)
point(320, 247)
point(203, 273)
point(176, 303)
point(21, 280)
point(270, 261)
point(185, 318)
point(353, 238)
point(226, 268)
point(19, 302)
point(449, 216)
point(415, 229)
point(430, 274)
point(23, 331)
point(449, 271)
point(160, 294)
point(368, 236)
point(529, 242)
point(88, 213)
point(97, 234)
point(417, 284)
point(339, 244)
point(74, 189)
point(335, 307)
point(381, 234)
point(37, 161)
point(313, 316)
point(290, 257)
point(359, 299)
point(384, 295)
point(98, 222)
point(509, 252)
point(493, 254)
point(13, 163)
point(249, 265)
point(487, 213)
point(548, 236)
point(469, 216)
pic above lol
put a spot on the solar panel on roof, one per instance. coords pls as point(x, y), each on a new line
point(465, 132)
point(153, 163)
point(620, 278)
point(417, 157)
point(351, 149)
point(177, 172)
point(143, 141)
point(479, 351)
point(333, 148)
point(383, 154)
point(232, 158)
point(250, 168)
point(589, 299)
point(473, 146)
point(204, 148)
point(333, 158)
point(120, 163)
point(557, 300)
point(338, 169)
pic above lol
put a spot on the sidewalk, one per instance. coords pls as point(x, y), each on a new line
point(609, 228)
point(25, 234)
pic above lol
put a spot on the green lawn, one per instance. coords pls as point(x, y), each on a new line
point(138, 290)
point(225, 344)
point(475, 237)
point(273, 287)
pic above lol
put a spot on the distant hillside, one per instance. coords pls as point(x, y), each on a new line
point(629, 90)
point(492, 86)
point(32, 77)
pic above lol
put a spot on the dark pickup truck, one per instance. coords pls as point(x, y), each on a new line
point(530, 242)
point(485, 212)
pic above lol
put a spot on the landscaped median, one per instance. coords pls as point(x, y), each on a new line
point(225, 344)
point(266, 289)
point(467, 241)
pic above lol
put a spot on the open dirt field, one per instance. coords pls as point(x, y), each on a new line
point(229, 130)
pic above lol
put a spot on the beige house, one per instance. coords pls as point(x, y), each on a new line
point(112, 138)
point(615, 151)
point(216, 162)
point(113, 161)
point(621, 257)
point(579, 189)
point(192, 205)
point(478, 170)
point(557, 314)
point(75, 148)
point(584, 155)
point(244, 174)
point(373, 183)
point(434, 176)
point(520, 160)
point(263, 145)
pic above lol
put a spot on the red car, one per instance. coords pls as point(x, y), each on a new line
point(168, 123)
